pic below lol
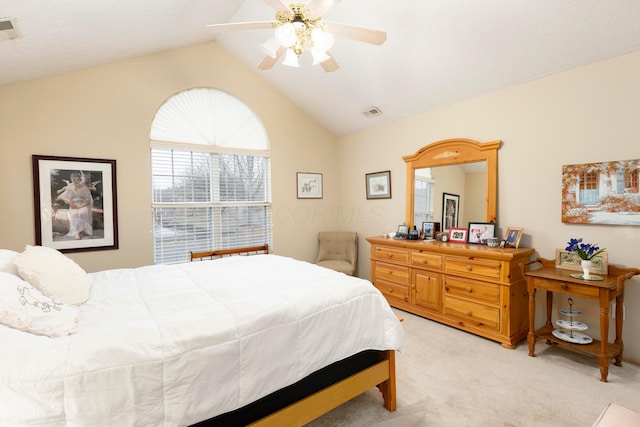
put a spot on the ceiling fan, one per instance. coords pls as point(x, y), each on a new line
point(300, 28)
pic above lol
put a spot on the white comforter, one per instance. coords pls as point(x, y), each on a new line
point(173, 345)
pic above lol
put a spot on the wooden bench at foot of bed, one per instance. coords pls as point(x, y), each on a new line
point(382, 375)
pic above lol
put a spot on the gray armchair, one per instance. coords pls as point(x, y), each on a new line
point(338, 250)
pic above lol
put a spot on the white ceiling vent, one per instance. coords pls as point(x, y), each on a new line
point(8, 29)
point(372, 112)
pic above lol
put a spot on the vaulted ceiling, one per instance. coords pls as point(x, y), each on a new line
point(437, 52)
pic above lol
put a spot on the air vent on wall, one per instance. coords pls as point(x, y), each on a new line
point(8, 29)
point(372, 112)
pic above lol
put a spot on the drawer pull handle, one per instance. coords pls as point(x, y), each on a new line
point(564, 285)
point(390, 255)
point(390, 290)
point(469, 289)
point(446, 288)
point(468, 312)
point(468, 267)
point(424, 261)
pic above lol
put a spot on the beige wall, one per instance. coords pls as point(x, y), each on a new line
point(585, 115)
point(589, 114)
point(106, 112)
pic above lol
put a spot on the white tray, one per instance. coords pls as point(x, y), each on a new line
point(572, 325)
point(568, 312)
point(575, 338)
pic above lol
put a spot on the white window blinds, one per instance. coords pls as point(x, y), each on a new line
point(207, 198)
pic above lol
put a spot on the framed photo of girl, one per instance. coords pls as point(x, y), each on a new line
point(75, 203)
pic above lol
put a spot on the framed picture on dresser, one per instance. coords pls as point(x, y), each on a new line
point(458, 235)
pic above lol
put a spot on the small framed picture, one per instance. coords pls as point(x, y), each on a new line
point(378, 185)
point(450, 211)
point(571, 261)
point(309, 185)
point(429, 230)
point(403, 231)
point(458, 235)
point(512, 237)
point(479, 232)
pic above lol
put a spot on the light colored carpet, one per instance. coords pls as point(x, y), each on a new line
point(447, 377)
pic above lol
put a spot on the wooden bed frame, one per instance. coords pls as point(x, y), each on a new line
point(381, 374)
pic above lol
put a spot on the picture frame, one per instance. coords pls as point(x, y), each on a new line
point(309, 185)
point(479, 232)
point(403, 231)
point(571, 261)
point(75, 203)
point(378, 185)
point(512, 237)
point(603, 193)
point(450, 211)
point(458, 235)
point(430, 230)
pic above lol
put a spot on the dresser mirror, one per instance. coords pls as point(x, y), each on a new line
point(460, 170)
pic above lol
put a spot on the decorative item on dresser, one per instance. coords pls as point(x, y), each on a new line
point(471, 287)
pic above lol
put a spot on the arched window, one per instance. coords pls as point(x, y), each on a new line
point(211, 177)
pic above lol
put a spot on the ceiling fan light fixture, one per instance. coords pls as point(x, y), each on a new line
point(285, 35)
point(291, 59)
point(322, 40)
point(270, 47)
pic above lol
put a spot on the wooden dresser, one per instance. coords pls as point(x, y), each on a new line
point(471, 287)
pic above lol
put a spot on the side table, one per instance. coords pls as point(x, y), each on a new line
point(550, 279)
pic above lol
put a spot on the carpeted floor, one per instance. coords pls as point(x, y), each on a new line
point(447, 377)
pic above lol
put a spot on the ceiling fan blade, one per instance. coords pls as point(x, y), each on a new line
point(320, 7)
point(330, 65)
point(360, 34)
point(237, 26)
point(278, 5)
point(268, 62)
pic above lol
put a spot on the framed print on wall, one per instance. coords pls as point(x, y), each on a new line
point(378, 185)
point(450, 211)
point(458, 235)
point(309, 185)
point(479, 232)
point(75, 202)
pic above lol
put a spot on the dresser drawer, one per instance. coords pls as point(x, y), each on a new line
point(472, 313)
point(476, 267)
point(393, 291)
point(481, 292)
point(385, 253)
point(392, 273)
point(426, 259)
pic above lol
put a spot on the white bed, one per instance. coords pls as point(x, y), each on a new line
point(175, 345)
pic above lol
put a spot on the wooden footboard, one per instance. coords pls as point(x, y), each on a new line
point(382, 375)
point(219, 253)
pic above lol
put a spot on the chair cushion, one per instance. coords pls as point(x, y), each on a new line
point(337, 265)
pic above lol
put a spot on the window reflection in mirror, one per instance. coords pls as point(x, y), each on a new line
point(466, 180)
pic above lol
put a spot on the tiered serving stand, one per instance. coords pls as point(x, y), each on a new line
point(571, 330)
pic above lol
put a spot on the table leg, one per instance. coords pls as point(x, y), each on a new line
point(531, 336)
point(619, 319)
point(604, 335)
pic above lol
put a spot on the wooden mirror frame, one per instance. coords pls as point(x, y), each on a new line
point(455, 152)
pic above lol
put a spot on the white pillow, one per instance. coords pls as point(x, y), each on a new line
point(23, 307)
point(6, 261)
point(53, 274)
